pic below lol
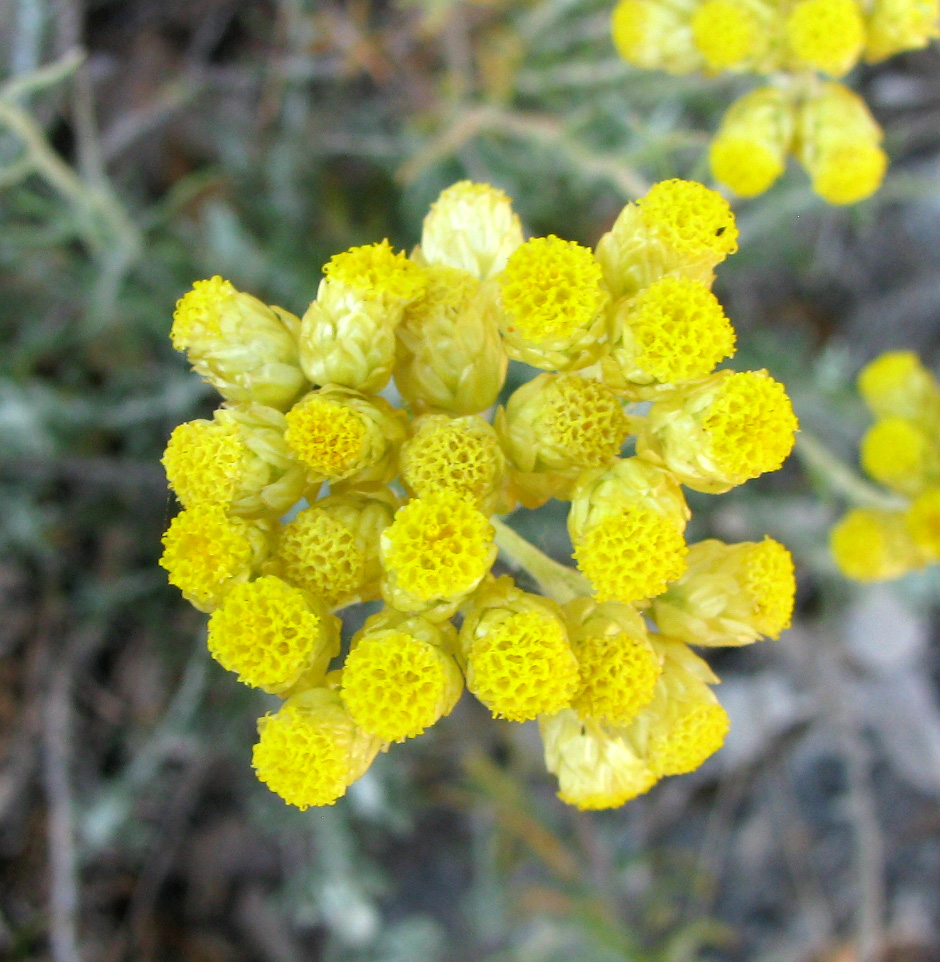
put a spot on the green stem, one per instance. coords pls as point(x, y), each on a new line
point(556, 580)
point(840, 477)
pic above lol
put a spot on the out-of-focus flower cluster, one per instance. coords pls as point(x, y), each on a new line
point(317, 484)
point(901, 451)
point(799, 45)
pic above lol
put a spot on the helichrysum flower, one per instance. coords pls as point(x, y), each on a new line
point(400, 676)
point(307, 492)
point(718, 433)
point(245, 349)
point(553, 304)
point(435, 553)
point(824, 125)
point(331, 549)
point(519, 661)
point(347, 335)
point(311, 750)
point(273, 636)
point(901, 450)
point(238, 460)
point(553, 428)
point(341, 435)
point(207, 551)
point(450, 354)
point(730, 594)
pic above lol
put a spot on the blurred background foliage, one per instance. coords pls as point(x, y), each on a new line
point(145, 144)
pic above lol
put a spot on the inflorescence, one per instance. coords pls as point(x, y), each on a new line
point(901, 451)
point(309, 491)
point(802, 47)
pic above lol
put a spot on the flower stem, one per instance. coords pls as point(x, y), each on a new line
point(557, 581)
point(840, 477)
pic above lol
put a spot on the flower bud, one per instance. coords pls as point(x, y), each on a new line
point(454, 454)
point(923, 523)
point(553, 428)
point(872, 545)
point(347, 336)
point(684, 724)
point(246, 350)
point(341, 435)
point(679, 227)
point(826, 35)
point(901, 455)
point(518, 659)
point(596, 766)
point(719, 432)
point(626, 524)
point(898, 25)
point(839, 143)
point(206, 552)
point(750, 150)
point(435, 553)
point(617, 664)
point(450, 355)
point(311, 750)
point(471, 227)
point(554, 302)
point(731, 594)
point(731, 34)
point(273, 636)
point(399, 677)
point(672, 331)
point(896, 384)
point(238, 460)
point(655, 36)
point(331, 549)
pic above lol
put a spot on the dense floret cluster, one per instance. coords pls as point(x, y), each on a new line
point(901, 451)
point(802, 46)
point(310, 491)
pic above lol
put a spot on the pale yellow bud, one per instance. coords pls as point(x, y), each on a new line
point(901, 455)
point(897, 25)
point(450, 354)
point(471, 227)
point(596, 766)
point(246, 350)
point(897, 384)
point(872, 545)
point(655, 35)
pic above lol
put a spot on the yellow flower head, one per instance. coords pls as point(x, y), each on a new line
point(731, 594)
point(923, 523)
point(519, 661)
point(690, 219)
point(204, 461)
point(617, 665)
point(311, 751)
point(896, 25)
point(376, 271)
point(271, 636)
point(896, 384)
point(340, 435)
point(849, 172)
point(673, 331)
point(653, 35)
point(450, 354)
point(398, 681)
point(471, 227)
point(206, 552)
point(597, 767)
point(750, 150)
point(873, 545)
point(726, 33)
point(901, 455)
point(245, 349)
point(438, 549)
point(453, 454)
point(827, 35)
point(721, 431)
point(684, 724)
point(553, 296)
point(555, 426)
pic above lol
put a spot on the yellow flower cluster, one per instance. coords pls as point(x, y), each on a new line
point(901, 451)
point(798, 44)
point(310, 491)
